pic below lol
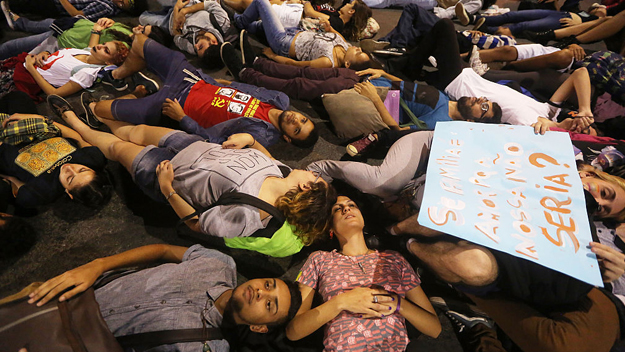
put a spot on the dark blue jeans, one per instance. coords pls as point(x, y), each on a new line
point(527, 20)
point(279, 39)
point(412, 25)
point(17, 46)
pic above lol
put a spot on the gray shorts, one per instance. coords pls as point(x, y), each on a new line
point(144, 165)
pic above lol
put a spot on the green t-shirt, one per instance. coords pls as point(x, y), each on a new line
point(78, 36)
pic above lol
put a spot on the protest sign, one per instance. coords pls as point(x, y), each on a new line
point(506, 188)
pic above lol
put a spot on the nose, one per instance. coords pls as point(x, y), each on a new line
point(345, 210)
point(259, 294)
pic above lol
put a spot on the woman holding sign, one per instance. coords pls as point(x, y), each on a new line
point(498, 282)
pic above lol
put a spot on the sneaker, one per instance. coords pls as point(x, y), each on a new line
point(139, 79)
point(433, 61)
point(58, 105)
point(89, 117)
point(360, 145)
point(462, 314)
point(540, 37)
point(391, 51)
point(117, 84)
point(248, 55)
point(479, 23)
point(476, 63)
point(231, 59)
point(7, 14)
point(464, 17)
point(370, 45)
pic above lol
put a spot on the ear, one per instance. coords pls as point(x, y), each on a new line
point(347, 64)
point(261, 329)
point(583, 174)
point(286, 138)
point(69, 194)
point(352, 11)
point(304, 186)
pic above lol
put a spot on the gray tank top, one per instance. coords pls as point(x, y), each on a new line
point(311, 45)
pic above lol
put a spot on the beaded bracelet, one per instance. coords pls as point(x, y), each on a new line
point(398, 304)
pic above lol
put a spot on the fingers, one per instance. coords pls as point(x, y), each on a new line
point(608, 253)
point(48, 290)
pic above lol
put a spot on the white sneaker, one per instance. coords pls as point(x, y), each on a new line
point(7, 14)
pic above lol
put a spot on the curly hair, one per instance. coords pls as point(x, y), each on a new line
point(615, 180)
point(309, 211)
point(353, 29)
point(121, 54)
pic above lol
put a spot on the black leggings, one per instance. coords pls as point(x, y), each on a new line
point(442, 43)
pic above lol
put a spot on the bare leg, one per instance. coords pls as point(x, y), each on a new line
point(102, 109)
point(578, 82)
point(502, 54)
point(578, 29)
point(604, 30)
point(110, 145)
point(461, 262)
point(142, 135)
point(557, 61)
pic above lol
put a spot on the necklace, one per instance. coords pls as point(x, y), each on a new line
point(353, 261)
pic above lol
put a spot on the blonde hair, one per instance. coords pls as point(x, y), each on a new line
point(309, 211)
point(615, 180)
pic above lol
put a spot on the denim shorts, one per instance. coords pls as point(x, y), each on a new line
point(168, 65)
point(144, 165)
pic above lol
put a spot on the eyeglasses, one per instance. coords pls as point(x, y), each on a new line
point(484, 106)
point(317, 175)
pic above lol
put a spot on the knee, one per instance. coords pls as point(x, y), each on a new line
point(115, 150)
point(475, 266)
point(509, 52)
point(582, 71)
point(561, 59)
point(137, 134)
point(445, 24)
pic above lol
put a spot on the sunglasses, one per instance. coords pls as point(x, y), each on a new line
point(484, 106)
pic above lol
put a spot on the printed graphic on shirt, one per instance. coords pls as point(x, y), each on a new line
point(45, 156)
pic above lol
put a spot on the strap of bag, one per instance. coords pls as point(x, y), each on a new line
point(420, 124)
point(216, 25)
point(156, 338)
point(242, 198)
point(70, 333)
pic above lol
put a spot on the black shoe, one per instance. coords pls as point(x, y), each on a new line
point(540, 37)
point(564, 43)
point(89, 118)
point(463, 315)
point(58, 105)
point(247, 51)
point(231, 59)
point(139, 79)
point(117, 84)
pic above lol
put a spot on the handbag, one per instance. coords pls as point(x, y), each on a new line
point(75, 325)
point(278, 239)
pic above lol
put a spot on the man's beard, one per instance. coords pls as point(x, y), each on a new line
point(281, 120)
point(464, 108)
point(234, 306)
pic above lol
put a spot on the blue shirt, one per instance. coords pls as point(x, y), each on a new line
point(170, 296)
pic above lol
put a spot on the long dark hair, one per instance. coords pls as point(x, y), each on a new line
point(358, 22)
point(96, 193)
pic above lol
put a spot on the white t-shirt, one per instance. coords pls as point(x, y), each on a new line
point(517, 109)
point(62, 67)
point(290, 14)
point(528, 51)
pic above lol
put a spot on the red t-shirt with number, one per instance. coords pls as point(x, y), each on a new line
point(209, 105)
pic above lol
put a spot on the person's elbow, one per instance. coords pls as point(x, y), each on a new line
point(435, 329)
point(291, 333)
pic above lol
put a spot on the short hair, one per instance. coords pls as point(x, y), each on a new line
point(160, 36)
point(309, 141)
point(211, 59)
point(17, 236)
point(497, 113)
point(96, 193)
point(309, 211)
point(296, 300)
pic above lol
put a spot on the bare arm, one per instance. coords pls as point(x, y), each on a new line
point(245, 140)
point(377, 73)
point(84, 276)
point(358, 300)
point(322, 62)
point(165, 173)
point(310, 12)
point(64, 90)
point(418, 310)
point(368, 90)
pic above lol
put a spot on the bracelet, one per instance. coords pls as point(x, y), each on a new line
point(93, 31)
point(398, 304)
point(170, 194)
point(254, 141)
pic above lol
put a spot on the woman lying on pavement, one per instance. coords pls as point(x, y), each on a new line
point(186, 172)
point(300, 48)
point(377, 296)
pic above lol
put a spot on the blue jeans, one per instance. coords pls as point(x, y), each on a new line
point(526, 20)
point(158, 19)
point(380, 4)
point(17, 46)
point(279, 38)
point(414, 23)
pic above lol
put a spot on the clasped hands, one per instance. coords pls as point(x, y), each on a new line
point(368, 302)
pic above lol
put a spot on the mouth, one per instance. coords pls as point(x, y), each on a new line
point(349, 216)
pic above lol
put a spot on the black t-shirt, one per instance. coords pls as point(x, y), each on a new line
point(335, 21)
point(38, 166)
